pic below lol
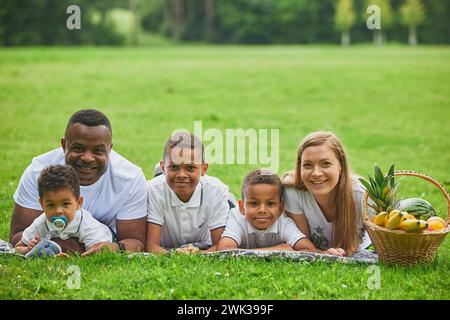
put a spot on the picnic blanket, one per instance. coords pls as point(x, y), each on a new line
point(45, 247)
point(6, 247)
point(361, 256)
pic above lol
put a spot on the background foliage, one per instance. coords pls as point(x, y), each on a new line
point(42, 22)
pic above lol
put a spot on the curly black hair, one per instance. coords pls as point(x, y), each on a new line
point(261, 176)
point(57, 177)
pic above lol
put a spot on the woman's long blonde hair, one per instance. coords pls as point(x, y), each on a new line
point(346, 233)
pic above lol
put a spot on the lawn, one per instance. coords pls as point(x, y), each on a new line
point(388, 105)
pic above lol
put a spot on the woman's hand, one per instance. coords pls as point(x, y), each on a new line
point(336, 252)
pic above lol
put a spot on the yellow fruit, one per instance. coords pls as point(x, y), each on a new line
point(438, 219)
point(393, 212)
point(423, 225)
point(409, 225)
point(410, 216)
point(435, 225)
point(395, 220)
point(381, 219)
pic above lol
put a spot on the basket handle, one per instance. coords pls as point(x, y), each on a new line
point(418, 175)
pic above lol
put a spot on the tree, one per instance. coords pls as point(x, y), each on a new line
point(387, 20)
point(412, 14)
point(209, 11)
point(135, 26)
point(344, 19)
point(175, 14)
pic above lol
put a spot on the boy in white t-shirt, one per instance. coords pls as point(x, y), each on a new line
point(262, 224)
point(186, 208)
point(63, 218)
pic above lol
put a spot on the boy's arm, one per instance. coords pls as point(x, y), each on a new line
point(21, 219)
point(23, 249)
point(215, 238)
point(153, 239)
point(280, 247)
point(227, 243)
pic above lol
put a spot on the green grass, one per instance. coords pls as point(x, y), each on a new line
point(388, 105)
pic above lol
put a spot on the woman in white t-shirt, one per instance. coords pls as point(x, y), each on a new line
point(323, 197)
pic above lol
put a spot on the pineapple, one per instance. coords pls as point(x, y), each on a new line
point(382, 190)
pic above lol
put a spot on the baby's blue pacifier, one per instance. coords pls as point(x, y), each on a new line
point(59, 222)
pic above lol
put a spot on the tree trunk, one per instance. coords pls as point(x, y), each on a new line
point(178, 18)
point(134, 31)
point(412, 40)
point(345, 38)
point(209, 9)
point(378, 37)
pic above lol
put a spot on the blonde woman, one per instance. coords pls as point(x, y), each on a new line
point(324, 198)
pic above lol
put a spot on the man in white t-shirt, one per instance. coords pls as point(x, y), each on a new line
point(114, 189)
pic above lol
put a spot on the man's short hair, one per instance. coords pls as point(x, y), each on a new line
point(183, 140)
point(262, 176)
point(57, 177)
point(90, 118)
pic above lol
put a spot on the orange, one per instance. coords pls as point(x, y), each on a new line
point(438, 219)
point(410, 216)
point(435, 225)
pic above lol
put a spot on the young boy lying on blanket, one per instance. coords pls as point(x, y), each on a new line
point(261, 223)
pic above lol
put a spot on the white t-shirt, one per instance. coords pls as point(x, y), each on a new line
point(84, 227)
point(187, 222)
point(284, 230)
point(120, 193)
point(321, 231)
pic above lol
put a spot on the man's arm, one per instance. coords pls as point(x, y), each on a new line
point(20, 220)
point(215, 237)
point(153, 239)
point(131, 233)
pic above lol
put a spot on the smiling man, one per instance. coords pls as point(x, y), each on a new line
point(114, 189)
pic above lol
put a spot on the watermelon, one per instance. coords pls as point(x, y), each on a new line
point(419, 208)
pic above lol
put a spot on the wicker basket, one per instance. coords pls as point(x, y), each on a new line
point(403, 248)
